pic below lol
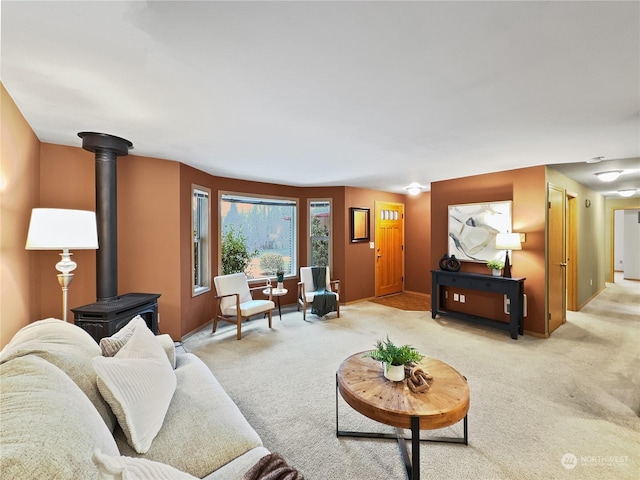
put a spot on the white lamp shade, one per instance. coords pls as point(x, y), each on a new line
point(59, 229)
point(508, 241)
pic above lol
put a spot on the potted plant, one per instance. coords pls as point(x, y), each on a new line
point(394, 358)
point(496, 267)
point(280, 279)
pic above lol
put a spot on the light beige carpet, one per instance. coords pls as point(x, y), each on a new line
point(534, 402)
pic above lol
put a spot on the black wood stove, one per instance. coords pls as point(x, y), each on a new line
point(111, 311)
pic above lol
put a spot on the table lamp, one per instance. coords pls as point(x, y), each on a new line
point(508, 241)
point(60, 229)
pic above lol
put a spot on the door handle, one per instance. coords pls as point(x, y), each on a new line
point(563, 264)
point(379, 255)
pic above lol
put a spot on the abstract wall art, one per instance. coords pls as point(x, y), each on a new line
point(473, 228)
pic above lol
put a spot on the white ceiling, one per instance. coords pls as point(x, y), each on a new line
point(364, 94)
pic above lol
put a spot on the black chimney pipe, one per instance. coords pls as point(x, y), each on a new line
point(106, 148)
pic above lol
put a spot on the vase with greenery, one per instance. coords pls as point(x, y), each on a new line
point(392, 355)
point(496, 267)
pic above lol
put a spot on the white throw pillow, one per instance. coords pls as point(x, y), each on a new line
point(128, 468)
point(112, 345)
point(138, 383)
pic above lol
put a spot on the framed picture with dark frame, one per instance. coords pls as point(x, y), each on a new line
point(359, 224)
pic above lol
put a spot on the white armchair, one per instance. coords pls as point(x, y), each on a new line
point(235, 303)
point(307, 290)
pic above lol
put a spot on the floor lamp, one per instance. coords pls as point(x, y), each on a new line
point(60, 229)
point(508, 241)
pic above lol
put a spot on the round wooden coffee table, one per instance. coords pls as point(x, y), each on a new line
point(362, 385)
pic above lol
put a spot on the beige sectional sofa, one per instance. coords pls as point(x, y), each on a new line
point(58, 419)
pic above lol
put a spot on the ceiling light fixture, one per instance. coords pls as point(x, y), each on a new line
point(595, 160)
point(627, 193)
point(608, 176)
point(413, 188)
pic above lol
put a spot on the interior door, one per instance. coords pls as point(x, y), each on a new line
point(556, 260)
point(389, 224)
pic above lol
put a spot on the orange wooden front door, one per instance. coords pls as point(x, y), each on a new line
point(389, 222)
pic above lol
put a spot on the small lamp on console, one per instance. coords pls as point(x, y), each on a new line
point(60, 229)
point(508, 241)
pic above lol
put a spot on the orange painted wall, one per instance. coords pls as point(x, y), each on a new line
point(360, 267)
point(149, 234)
point(66, 181)
point(527, 189)
point(19, 193)
point(148, 237)
point(418, 243)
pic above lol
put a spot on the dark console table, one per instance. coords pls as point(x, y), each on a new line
point(513, 288)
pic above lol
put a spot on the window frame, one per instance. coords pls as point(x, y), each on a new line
point(293, 201)
point(309, 221)
point(206, 251)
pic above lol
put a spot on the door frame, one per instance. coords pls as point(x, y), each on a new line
point(571, 251)
point(376, 214)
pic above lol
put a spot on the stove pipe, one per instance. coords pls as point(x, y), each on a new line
point(106, 148)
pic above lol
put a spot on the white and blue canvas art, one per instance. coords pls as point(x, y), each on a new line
point(473, 228)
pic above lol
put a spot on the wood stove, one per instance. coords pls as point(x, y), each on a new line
point(110, 312)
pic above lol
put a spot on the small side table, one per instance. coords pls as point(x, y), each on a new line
point(276, 292)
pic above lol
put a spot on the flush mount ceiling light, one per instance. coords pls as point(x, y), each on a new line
point(595, 160)
point(627, 193)
point(413, 188)
point(608, 176)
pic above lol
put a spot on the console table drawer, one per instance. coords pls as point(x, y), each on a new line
point(490, 285)
point(451, 281)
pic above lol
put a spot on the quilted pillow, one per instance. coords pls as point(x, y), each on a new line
point(138, 383)
point(128, 468)
point(112, 345)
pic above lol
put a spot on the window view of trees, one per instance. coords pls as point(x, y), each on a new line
point(258, 235)
point(200, 262)
point(320, 214)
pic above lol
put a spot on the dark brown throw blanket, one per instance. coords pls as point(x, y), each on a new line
point(324, 301)
point(272, 467)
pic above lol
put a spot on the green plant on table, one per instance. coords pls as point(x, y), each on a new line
point(389, 353)
point(495, 264)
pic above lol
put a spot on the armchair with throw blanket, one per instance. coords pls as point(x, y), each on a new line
point(316, 289)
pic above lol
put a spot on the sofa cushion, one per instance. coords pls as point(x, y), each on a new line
point(129, 468)
point(69, 348)
point(138, 383)
point(49, 427)
point(201, 418)
point(112, 345)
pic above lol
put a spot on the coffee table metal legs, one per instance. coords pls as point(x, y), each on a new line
point(412, 464)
